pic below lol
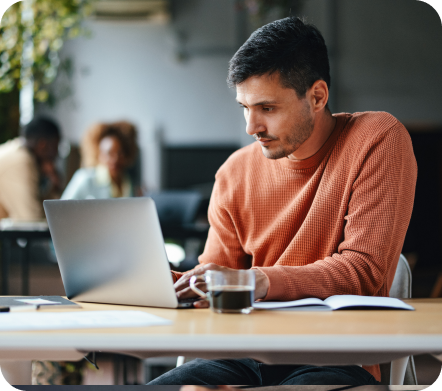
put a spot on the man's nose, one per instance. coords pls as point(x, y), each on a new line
point(254, 124)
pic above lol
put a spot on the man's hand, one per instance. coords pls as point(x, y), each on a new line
point(183, 290)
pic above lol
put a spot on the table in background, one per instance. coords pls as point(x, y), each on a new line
point(7, 236)
point(278, 337)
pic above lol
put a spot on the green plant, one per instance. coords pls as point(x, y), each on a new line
point(46, 24)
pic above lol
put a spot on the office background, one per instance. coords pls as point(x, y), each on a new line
point(167, 75)
point(163, 67)
point(165, 72)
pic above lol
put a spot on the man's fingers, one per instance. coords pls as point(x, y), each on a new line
point(187, 293)
point(201, 304)
point(183, 282)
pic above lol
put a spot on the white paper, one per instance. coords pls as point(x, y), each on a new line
point(78, 320)
point(37, 301)
point(342, 301)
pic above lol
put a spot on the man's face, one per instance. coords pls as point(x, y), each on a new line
point(275, 116)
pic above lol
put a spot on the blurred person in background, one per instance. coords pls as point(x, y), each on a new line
point(27, 170)
point(107, 150)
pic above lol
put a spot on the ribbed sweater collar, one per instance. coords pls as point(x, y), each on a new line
point(316, 159)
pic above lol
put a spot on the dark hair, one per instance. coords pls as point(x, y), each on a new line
point(41, 127)
point(289, 46)
point(125, 133)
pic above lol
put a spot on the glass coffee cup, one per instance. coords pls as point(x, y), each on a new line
point(231, 291)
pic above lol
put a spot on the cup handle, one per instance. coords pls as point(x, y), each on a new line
point(195, 289)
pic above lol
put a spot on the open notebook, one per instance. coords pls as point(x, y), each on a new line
point(338, 302)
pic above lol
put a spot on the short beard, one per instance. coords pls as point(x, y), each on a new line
point(300, 132)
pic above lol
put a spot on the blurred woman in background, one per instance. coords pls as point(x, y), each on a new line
point(107, 151)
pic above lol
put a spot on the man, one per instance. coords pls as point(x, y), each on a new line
point(27, 171)
point(318, 206)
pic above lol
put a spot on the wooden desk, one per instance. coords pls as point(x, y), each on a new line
point(340, 337)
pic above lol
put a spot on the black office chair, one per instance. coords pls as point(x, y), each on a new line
point(176, 207)
point(177, 211)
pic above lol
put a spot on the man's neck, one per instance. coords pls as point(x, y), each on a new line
point(323, 127)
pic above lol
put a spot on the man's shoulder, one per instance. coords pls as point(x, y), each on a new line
point(362, 131)
point(373, 124)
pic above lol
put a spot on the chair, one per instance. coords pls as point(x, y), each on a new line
point(176, 207)
point(401, 371)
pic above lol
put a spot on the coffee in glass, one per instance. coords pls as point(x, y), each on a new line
point(228, 291)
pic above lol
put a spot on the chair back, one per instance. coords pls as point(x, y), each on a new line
point(176, 207)
point(401, 287)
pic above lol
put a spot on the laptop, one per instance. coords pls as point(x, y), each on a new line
point(112, 251)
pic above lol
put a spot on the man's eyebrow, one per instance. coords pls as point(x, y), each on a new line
point(262, 103)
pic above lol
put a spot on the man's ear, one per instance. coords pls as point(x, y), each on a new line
point(319, 95)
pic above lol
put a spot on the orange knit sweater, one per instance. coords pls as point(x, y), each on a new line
point(328, 225)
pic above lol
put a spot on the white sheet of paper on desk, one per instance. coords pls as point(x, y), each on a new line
point(78, 320)
point(37, 301)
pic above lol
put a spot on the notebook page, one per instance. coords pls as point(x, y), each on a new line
point(343, 301)
point(269, 305)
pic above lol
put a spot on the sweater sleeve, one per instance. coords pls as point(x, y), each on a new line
point(223, 246)
point(378, 215)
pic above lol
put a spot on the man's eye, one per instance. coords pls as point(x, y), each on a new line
point(268, 108)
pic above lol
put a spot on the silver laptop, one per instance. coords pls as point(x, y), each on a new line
point(111, 251)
